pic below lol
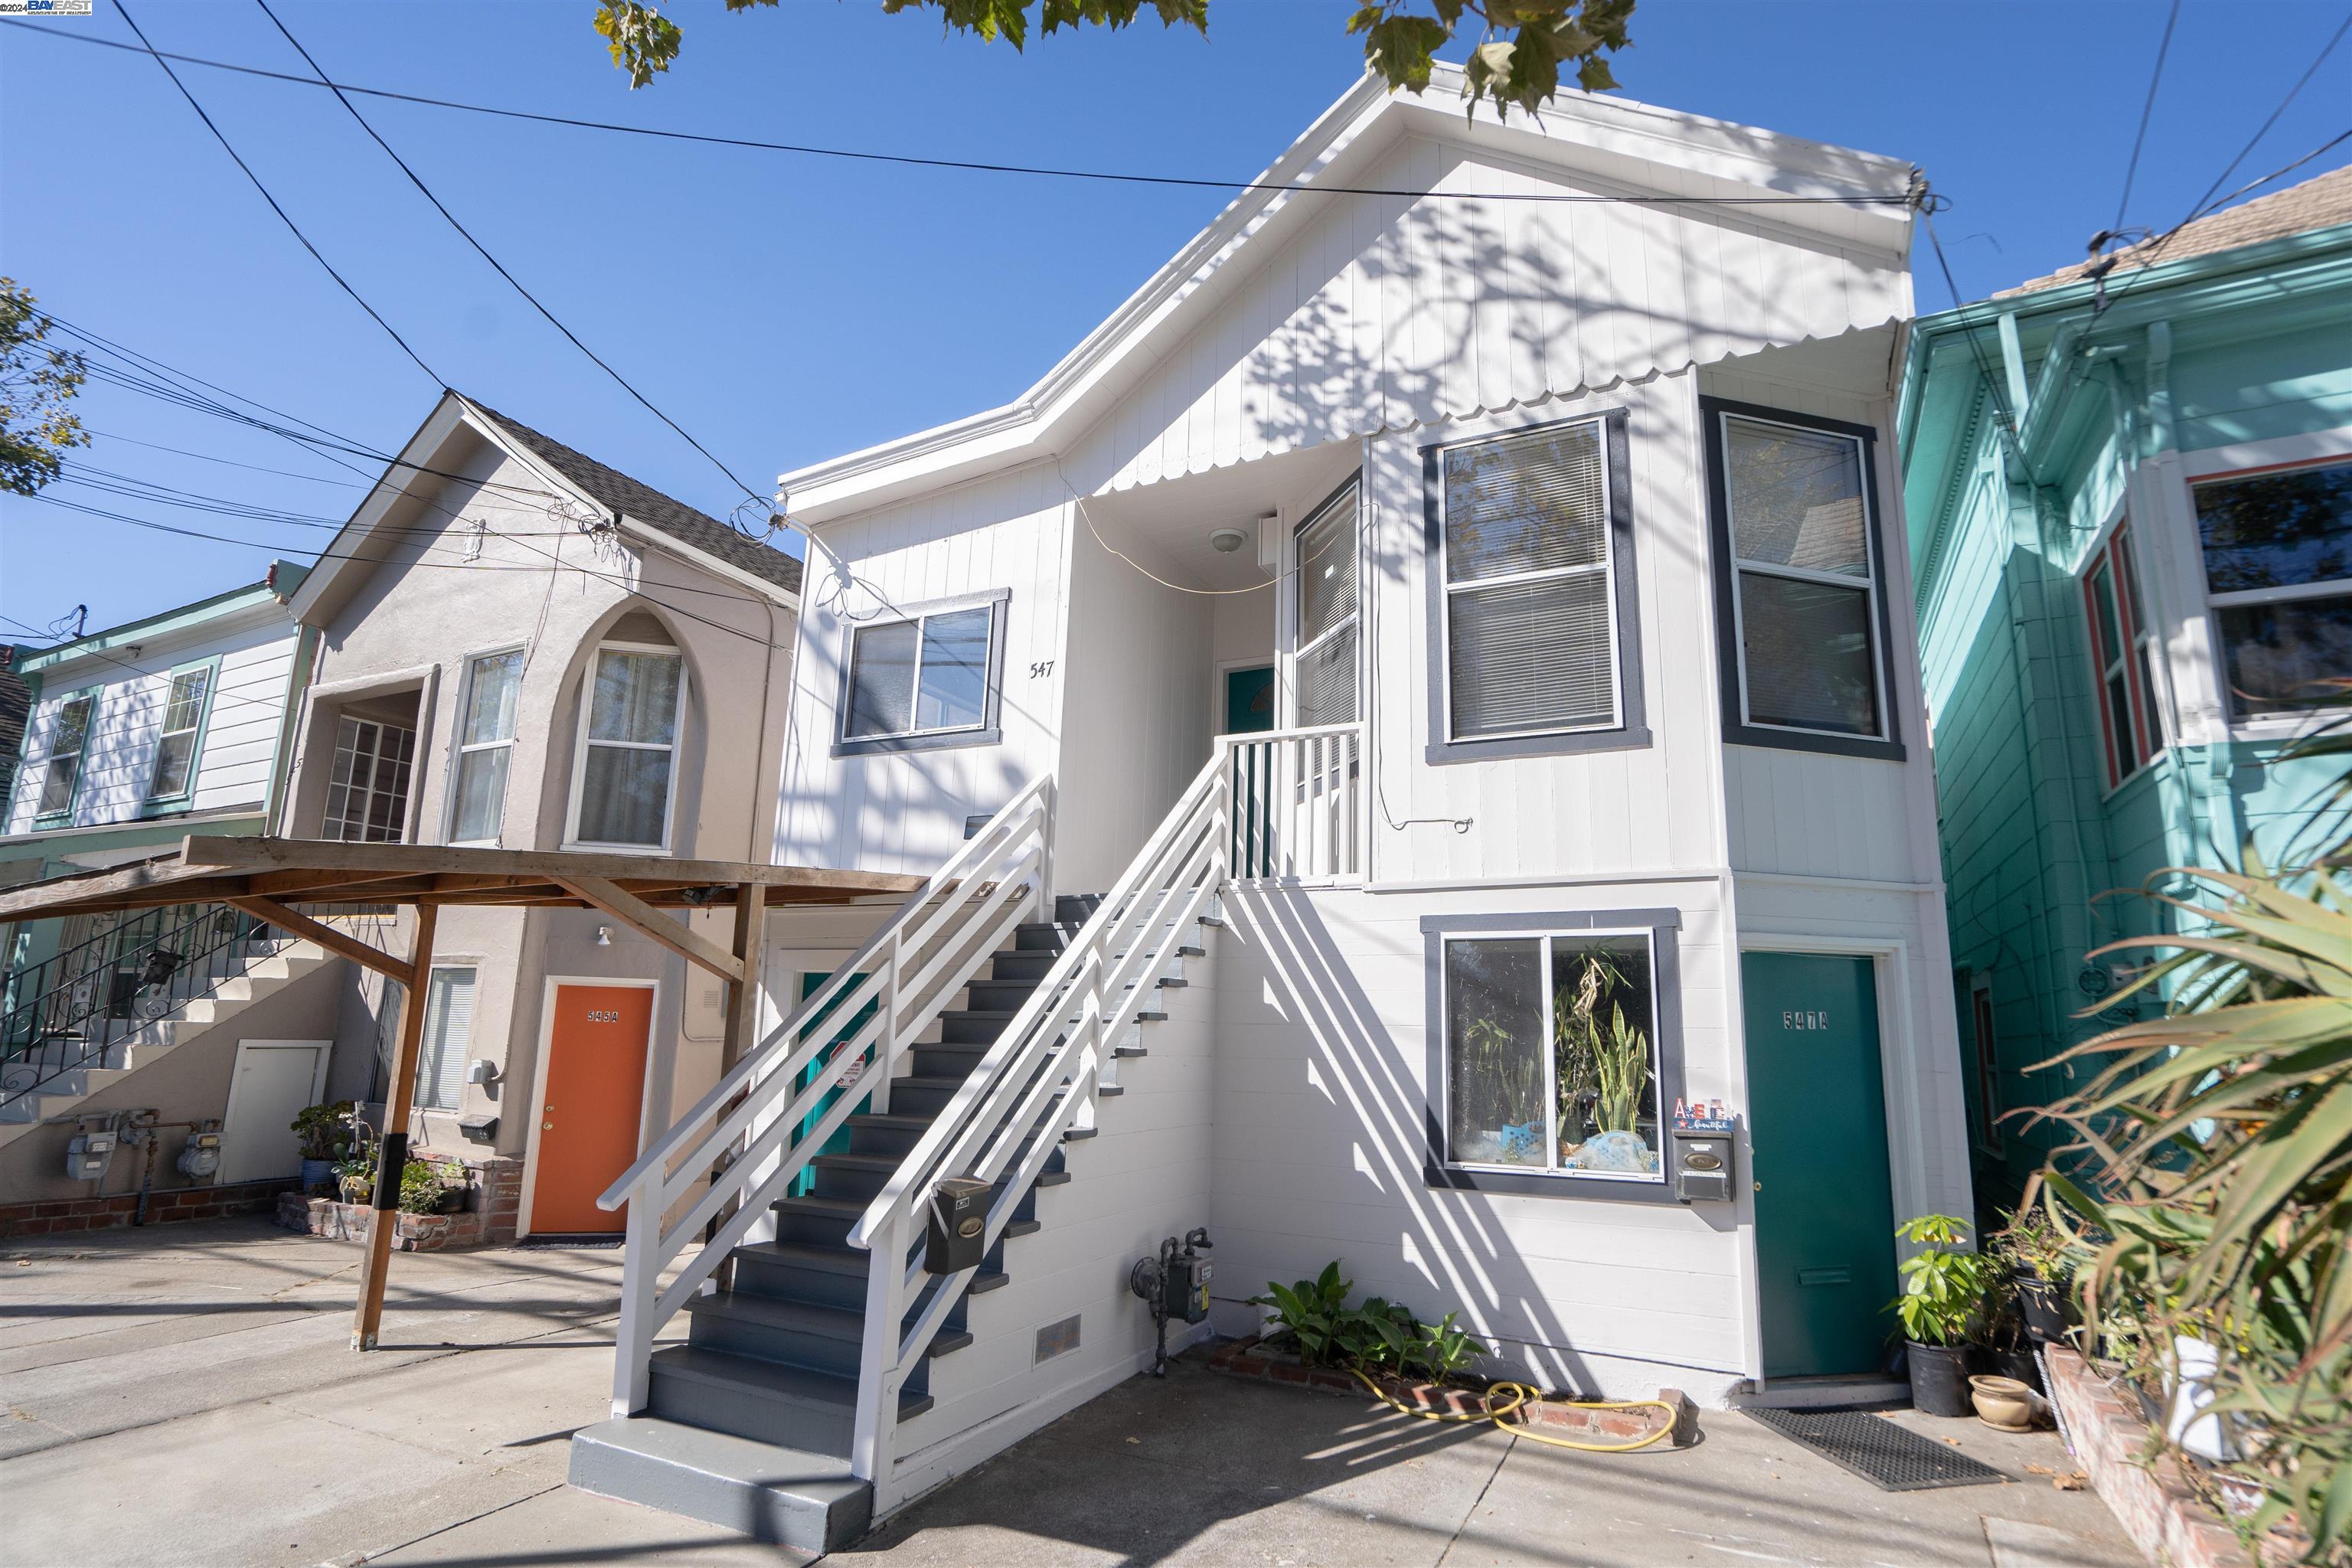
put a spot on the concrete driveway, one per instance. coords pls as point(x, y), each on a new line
point(184, 1395)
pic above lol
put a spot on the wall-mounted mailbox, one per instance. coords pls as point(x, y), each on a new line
point(479, 1128)
point(1704, 1151)
point(956, 1237)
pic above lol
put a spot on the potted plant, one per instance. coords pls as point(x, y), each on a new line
point(2041, 1266)
point(1943, 1290)
point(1603, 1073)
point(355, 1178)
point(427, 1188)
point(326, 1137)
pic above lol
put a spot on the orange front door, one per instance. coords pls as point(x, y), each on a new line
point(596, 1076)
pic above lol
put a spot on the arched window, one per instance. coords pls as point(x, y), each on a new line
point(624, 771)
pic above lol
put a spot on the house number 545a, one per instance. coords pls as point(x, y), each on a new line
point(602, 1016)
point(1794, 1019)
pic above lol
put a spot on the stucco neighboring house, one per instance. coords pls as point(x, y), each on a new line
point(2130, 497)
point(1423, 696)
point(136, 736)
point(521, 648)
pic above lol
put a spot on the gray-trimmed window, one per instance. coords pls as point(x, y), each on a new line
point(1534, 644)
point(1801, 602)
point(932, 677)
point(187, 704)
point(2278, 574)
point(68, 745)
point(1555, 1043)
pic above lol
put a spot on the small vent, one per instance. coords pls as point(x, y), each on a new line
point(1057, 1339)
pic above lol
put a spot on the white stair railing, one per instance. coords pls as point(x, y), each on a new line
point(744, 1142)
point(1298, 792)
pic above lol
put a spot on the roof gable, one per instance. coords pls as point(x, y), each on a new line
point(1596, 150)
point(425, 457)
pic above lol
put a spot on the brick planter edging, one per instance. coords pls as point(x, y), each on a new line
point(164, 1205)
point(2154, 1502)
point(410, 1232)
point(1248, 1359)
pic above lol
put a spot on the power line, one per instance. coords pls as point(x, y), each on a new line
point(496, 265)
point(291, 226)
point(2155, 248)
point(2301, 82)
point(2147, 112)
point(226, 462)
point(967, 165)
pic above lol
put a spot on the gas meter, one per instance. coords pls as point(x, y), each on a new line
point(200, 1156)
point(87, 1156)
point(1176, 1284)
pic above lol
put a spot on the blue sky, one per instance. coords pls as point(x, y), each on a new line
point(782, 308)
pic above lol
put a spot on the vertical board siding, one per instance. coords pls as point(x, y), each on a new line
point(1391, 311)
point(1322, 1011)
point(893, 812)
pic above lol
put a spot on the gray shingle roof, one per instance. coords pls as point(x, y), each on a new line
point(695, 530)
point(2321, 201)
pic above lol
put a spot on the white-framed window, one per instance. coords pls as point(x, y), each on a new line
point(1805, 664)
point(1552, 1053)
point(1324, 610)
point(929, 678)
point(2122, 656)
point(441, 1054)
point(185, 706)
point(69, 744)
point(626, 768)
point(367, 792)
point(1532, 594)
point(485, 737)
point(2277, 546)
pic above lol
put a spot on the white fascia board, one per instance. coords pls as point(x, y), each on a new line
point(1637, 145)
point(119, 662)
point(340, 568)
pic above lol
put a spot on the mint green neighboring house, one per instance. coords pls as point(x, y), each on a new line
point(2130, 511)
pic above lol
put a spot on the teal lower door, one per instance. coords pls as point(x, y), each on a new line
point(805, 1183)
point(1817, 1123)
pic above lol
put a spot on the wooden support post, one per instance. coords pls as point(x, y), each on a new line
point(394, 1155)
point(743, 994)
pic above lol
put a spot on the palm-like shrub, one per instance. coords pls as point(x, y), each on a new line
point(2216, 1193)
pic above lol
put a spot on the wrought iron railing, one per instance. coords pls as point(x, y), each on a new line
point(73, 1008)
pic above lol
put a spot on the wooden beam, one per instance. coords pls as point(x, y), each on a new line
point(260, 854)
point(342, 944)
point(646, 920)
point(743, 992)
point(368, 1317)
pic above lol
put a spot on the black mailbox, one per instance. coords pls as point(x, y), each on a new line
point(956, 1239)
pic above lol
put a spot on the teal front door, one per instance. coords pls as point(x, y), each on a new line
point(1817, 1123)
point(805, 1183)
point(1249, 700)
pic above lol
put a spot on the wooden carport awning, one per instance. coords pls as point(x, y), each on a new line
point(264, 876)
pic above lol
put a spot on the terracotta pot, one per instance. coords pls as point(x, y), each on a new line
point(2003, 1402)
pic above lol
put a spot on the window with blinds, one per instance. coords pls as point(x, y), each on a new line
point(1805, 578)
point(1323, 672)
point(628, 748)
point(448, 1034)
point(1528, 559)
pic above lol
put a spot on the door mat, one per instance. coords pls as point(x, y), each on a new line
point(1891, 1458)
point(590, 1241)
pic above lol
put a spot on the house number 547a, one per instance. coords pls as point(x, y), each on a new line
point(1792, 1019)
point(602, 1016)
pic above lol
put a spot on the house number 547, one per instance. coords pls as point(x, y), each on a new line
point(1040, 669)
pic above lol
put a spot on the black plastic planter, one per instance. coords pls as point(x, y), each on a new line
point(2044, 1309)
point(1939, 1379)
point(2019, 1365)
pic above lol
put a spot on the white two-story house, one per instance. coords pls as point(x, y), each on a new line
point(1424, 691)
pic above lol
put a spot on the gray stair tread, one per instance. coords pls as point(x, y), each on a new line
point(831, 1207)
point(844, 1260)
point(724, 1455)
point(771, 1311)
point(891, 1119)
point(860, 1162)
point(775, 1380)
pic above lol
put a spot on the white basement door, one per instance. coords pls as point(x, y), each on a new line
point(272, 1082)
